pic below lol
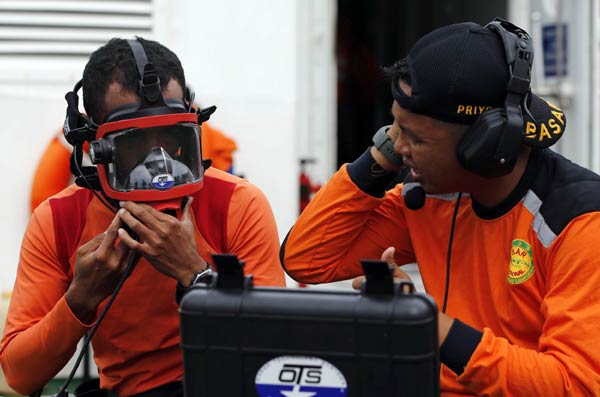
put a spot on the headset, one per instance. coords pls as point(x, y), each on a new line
point(491, 145)
point(80, 129)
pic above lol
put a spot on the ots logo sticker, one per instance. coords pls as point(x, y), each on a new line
point(300, 376)
point(163, 181)
point(521, 262)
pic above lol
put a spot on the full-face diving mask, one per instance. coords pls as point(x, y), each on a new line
point(149, 159)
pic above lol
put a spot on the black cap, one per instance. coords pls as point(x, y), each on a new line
point(459, 71)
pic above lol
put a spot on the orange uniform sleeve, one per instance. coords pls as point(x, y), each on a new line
point(252, 235)
point(41, 332)
point(566, 361)
point(340, 226)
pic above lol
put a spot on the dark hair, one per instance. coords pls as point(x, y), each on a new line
point(398, 71)
point(114, 62)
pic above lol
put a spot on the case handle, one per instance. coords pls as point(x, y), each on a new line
point(379, 279)
point(230, 273)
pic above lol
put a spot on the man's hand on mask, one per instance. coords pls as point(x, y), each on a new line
point(99, 265)
point(165, 241)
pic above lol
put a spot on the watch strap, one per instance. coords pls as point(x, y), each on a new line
point(204, 276)
point(384, 144)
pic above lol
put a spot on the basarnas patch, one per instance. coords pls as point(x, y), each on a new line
point(521, 266)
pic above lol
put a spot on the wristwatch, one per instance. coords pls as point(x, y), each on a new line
point(383, 142)
point(204, 276)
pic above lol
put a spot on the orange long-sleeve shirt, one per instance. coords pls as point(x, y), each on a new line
point(136, 348)
point(524, 275)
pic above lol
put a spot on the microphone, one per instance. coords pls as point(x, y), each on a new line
point(414, 194)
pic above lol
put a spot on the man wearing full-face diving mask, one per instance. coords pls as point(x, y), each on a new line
point(149, 194)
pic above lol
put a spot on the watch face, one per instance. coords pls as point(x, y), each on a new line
point(203, 277)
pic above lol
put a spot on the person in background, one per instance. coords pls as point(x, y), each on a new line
point(149, 195)
point(503, 229)
point(219, 148)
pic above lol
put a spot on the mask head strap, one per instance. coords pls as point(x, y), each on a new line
point(149, 88)
point(77, 128)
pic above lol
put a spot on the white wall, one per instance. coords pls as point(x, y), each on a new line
point(268, 65)
point(576, 92)
point(32, 106)
point(258, 61)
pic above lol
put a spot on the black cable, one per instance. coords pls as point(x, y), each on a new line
point(447, 287)
point(132, 261)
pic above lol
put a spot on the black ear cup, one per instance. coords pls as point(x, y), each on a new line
point(477, 148)
point(491, 145)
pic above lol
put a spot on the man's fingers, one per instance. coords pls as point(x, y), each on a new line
point(186, 215)
point(147, 214)
point(357, 282)
point(399, 274)
point(388, 255)
point(121, 252)
point(110, 235)
point(106, 239)
point(90, 246)
point(131, 220)
point(128, 240)
point(393, 132)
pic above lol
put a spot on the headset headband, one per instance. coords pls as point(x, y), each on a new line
point(519, 57)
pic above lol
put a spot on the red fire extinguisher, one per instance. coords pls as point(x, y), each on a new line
point(307, 188)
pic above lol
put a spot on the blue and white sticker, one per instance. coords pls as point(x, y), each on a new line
point(300, 376)
point(163, 181)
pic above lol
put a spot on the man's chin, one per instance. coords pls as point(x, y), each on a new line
point(433, 189)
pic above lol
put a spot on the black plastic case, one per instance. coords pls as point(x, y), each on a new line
point(238, 340)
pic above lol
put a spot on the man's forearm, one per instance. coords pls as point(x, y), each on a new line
point(32, 356)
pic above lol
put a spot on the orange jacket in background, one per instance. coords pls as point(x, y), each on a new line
point(218, 147)
point(52, 173)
